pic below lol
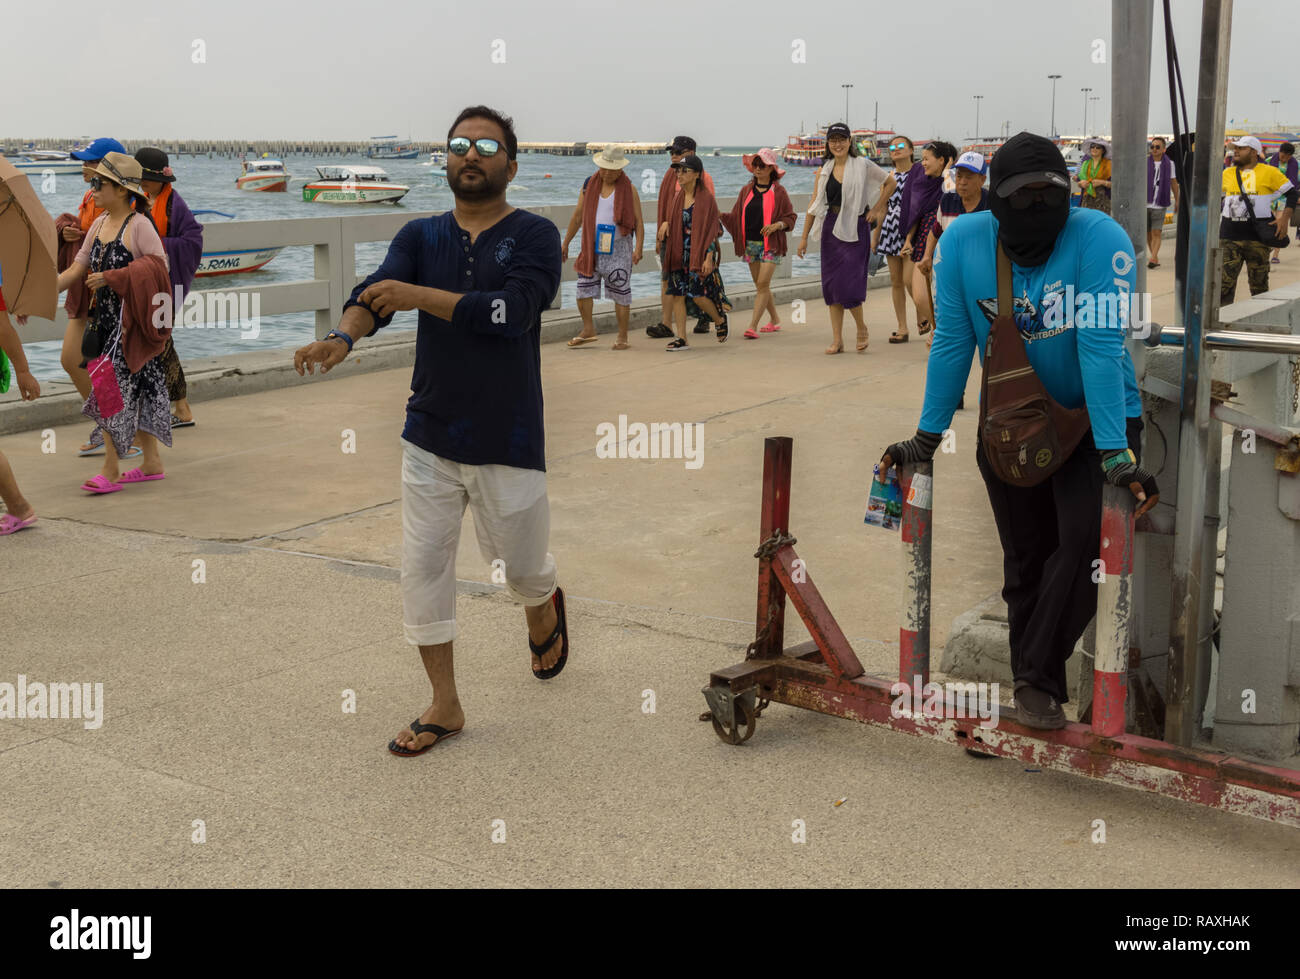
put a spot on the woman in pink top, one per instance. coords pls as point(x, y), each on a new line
point(123, 233)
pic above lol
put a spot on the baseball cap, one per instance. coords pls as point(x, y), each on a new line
point(1027, 159)
point(1252, 142)
point(99, 149)
point(839, 129)
point(972, 161)
point(689, 162)
point(681, 144)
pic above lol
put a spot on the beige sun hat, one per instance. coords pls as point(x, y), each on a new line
point(123, 170)
point(611, 158)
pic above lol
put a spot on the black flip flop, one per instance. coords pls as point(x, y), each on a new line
point(417, 729)
point(722, 330)
point(177, 423)
point(561, 632)
point(898, 337)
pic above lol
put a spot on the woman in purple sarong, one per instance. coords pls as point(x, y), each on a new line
point(847, 186)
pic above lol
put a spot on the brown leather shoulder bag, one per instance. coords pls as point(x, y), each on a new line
point(1026, 434)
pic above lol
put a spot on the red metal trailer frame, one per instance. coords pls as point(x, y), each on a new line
point(825, 675)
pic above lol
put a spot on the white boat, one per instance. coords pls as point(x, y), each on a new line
point(231, 262)
point(34, 163)
point(353, 185)
point(436, 159)
point(263, 174)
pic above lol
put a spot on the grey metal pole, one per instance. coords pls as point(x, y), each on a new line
point(1053, 78)
point(1188, 589)
point(1130, 30)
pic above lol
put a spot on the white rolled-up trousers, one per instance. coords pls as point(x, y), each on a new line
point(512, 520)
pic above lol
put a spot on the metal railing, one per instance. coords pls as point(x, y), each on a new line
point(334, 240)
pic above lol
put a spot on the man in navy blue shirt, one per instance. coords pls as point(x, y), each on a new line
point(480, 276)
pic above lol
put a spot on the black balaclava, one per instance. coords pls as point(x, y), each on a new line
point(1027, 236)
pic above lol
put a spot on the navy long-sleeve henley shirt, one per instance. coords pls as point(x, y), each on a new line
point(476, 392)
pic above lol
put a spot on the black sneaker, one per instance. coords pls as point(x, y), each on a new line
point(678, 344)
point(702, 326)
point(658, 332)
point(1039, 709)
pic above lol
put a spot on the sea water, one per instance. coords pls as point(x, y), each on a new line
point(208, 183)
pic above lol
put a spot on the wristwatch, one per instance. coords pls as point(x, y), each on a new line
point(336, 335)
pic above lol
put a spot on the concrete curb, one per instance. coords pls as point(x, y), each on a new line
point(267, 370)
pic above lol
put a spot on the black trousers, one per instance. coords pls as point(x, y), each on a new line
point(1051, 535)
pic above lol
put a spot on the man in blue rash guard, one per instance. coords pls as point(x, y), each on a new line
point(480, 275)
point(1069, 269)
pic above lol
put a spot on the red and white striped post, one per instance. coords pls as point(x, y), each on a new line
point(1114, 612)
point(917, 482)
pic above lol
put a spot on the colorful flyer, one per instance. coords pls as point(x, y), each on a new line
point(885, 502)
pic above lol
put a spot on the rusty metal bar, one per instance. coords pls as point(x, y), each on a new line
point(810, 605)
point(1114, 612)
point(769, 628)
point(917, 482)
point(1207, 778)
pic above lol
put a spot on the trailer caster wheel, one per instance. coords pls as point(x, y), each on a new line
point(743, 729)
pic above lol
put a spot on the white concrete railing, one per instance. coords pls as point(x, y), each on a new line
point(334, 239)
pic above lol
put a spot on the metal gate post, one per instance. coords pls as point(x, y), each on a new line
point(1114, 612)
point(769, 625)
point(917, 483)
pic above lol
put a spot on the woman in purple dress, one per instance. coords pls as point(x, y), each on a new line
point(847, 186)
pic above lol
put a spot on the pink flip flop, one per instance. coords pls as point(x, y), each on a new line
point(770, 328)
point(101, 484)
point(750, 335)
point(139, 476)
point(11, 525)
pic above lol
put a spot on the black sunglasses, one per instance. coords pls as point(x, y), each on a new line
point(1022, 198)
point(485, 147)
point(97, 183)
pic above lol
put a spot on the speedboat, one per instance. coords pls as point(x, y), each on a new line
point(436, 159)
point(35, 163)
point(263, 174)
point(231, 262)
point(353, 185)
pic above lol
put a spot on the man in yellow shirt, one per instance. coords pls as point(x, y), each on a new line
point(1250, 189)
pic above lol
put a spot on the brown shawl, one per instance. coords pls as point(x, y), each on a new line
point(624, 217)
point(705, 228)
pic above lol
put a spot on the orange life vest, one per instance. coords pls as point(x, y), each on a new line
point(87, 212)
point(161, 209)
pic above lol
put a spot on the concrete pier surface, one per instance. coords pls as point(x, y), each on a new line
point(224, 700)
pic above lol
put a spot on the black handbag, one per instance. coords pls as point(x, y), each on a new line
point(1265, 228)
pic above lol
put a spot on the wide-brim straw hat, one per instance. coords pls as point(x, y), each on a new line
point(123, 170)
point(611, 158)
point(767, 156)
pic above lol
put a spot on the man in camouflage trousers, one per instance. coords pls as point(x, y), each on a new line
point(1251, 189)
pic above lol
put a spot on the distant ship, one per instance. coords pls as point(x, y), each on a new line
point(389, 148)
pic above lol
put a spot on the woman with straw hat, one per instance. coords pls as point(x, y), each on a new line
point(609, 213)
point(123, 233)
point(758, 224)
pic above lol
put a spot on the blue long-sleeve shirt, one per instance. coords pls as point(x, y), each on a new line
point(476, 392)
point(1072, 312)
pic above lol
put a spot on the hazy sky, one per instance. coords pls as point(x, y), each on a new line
point(597, 69)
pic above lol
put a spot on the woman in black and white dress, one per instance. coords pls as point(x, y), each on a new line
point(887, 239)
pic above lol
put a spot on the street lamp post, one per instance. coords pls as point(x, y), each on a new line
point(846, 102)
point(1085, 92)
point(977, 98)
point(1275, 102)
point(1053, 78)
point(1094, 98)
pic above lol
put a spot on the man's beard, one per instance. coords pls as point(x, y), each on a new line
point(490, 186)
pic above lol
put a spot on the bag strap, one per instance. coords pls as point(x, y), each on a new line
point(1006, 300)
